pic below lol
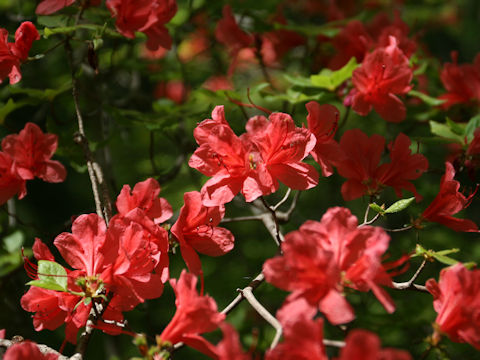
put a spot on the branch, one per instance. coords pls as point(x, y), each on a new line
point(248, 294)
point(260, 278)
point(44, 349)
point(409, 284)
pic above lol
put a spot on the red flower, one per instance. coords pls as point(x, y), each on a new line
point(384, 73)
point(253, 164)
point(364, 345)
point(456, 299)
point(282, 146)
point(321, 258)
point(448, 202)
point(196, 230)
point(352, 41)
point(322, 122)
point(28, 350)
point(10, 182)
point(229, 348)
point(31, 151)
point(144, 196)
point(174, 90)
point(146, 16)
point(196, 314)
point(302, 336)
point(12, 54)
point(461, 81)
point(359, 163)
point(218, 82)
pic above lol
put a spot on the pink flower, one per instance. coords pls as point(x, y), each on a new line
point(146, 16)
point(456, 299)
point(196, 230)
point(196, 314)
point(384, 74)
point(12, 54)
point(448, 202)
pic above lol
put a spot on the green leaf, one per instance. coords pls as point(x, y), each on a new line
point(330, 30)
point(43, 95)
point(52, 21)
point(444, 131)
point(11, 105)
point(51, 275)
point(427, 99)
point(298, 80)
point(457, 128)
point(377, 208)
point(330, 80)
point(472, 125)
point(399, 205)
point(444, 259)
point(13, 242)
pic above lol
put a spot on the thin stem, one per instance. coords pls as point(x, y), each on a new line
point(255, 283)
point(409, 284)
point(242, 218)
point(334, 343)
point(281, 202)
point(278, 238)
point(401, 229)
point(248, 295)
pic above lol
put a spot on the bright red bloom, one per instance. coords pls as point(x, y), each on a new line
point(365, 345)
point(352, 41)
point(196, 314)
point(456, 299)
point(322, 122)
point(384, 74)
point(31, 151)
point(254, 163)
point(360, 164)
point(144, 196)
point(47, 7)
point(12, 54)
point(117, 262)
point(448, 202)
point(146, 16)
point(10, 182)
point(196, 230)
point(302, 336)
point(321, 258)
point(229, 348)
point(27, 350)
point(229, 34)
point(461, 81)
point(174, 90)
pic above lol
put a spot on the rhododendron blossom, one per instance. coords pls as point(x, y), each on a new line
point(384, 74)
point(47, 7)
point(196, 314)
point(13, 54)
point(448, 202)
point(359, 162)
point(196, 230)
point(27, 350)
point(146, 16)
point(270, 151)
point(456, 299)
point(321, 258)
point(364, 345)
point(117, 261)
point(461, 81)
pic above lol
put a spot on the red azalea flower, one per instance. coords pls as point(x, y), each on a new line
point(322, 122)
point(10, 182)
point(196, 314)
point(144, 196)
point(12, 54)
point(302, 336)
point(31, 151)
point(360, 164)
point(321, 258)
point(364, 345)
point(456, 299)
point(281, 146)
point(448, 202)
point(196, 230)
point(230, 35)
point(461, 81)
point(28, 350)
point(352, 41)
point(229, 348)
point(174, 90)
point(146, 16)
point(384, 73)
point(218, 82)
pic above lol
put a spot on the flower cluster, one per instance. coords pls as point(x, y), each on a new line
point(26, 156)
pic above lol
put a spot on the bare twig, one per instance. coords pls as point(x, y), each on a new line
point(400, 229)
point(281, 202)
point(260, 278)
point(371, 221)
point(334, 343)
point(242, 218)
point(248, 295)
point(409, 284)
